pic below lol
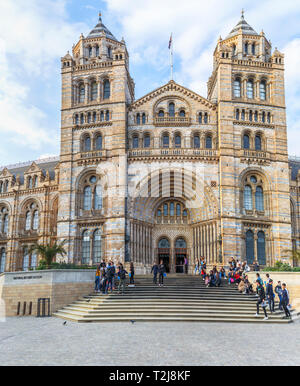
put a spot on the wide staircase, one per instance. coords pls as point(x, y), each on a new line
point(182, 299)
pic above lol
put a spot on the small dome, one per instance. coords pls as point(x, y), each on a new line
point(244, 26)
point(101, 30)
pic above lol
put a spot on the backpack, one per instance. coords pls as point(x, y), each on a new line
point(122, 274)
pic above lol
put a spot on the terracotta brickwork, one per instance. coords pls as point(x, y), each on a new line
point(169, 176)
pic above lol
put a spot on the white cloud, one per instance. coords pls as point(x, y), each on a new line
point(196, 26)
point(33, 36)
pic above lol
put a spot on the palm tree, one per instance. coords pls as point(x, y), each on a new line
point(49, 251)
point(294, 254)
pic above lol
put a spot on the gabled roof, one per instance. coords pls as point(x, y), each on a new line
point(172, 86)
point(44, 165)
point(242, 26)
point(101, 30)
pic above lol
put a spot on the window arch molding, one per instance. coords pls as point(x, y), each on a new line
point(31, 216)
point(94, 186)
point(163, 105)
point(96, 142)
point(256, 180)
point(4, 218)
point(85, 142)
point(249, 134)
point(166, 139)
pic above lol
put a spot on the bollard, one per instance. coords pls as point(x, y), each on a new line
point(41, 308)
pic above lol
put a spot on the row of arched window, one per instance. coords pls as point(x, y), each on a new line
point(253, 116)
point(91, 250)
point(141, 119)
point(89, 143)
point(172, 209)
point(32, 182)
point(92, 117)
point(89, 92)
point(248, 143)
point(202, 117)
point(249, 92)
point(94, 51)
point(176, 141)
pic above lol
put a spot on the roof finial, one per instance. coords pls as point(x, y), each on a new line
point(243, 13)
point(100, 16)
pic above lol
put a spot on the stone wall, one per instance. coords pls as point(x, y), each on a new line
point(61, 287)
point(291, 279)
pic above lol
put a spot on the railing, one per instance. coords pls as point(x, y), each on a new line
point(93, 154)
point(200, 153)
point(172, 121)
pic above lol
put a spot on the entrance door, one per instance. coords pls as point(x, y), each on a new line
point(180, 255)
point(164, 253)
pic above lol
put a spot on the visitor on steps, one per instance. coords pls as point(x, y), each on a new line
point(161, 272)
point(97, 279)
point(122, 275)
point(259, 279)
point(131, 273)
point(110, 276)
point(197, 267)
point(261, 299)
point(248, 286)
point(286, 301)
point(154, 270)
point(241, 286)
point(223, 273)
point(270, 295)
point(278, 291)
point(256, 267)
point(104, 283)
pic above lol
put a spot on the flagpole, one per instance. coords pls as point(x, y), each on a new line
point(171, 55)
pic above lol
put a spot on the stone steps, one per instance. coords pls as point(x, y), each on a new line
point(181, 299)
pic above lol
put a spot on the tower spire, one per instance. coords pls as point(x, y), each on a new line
point(243, 14)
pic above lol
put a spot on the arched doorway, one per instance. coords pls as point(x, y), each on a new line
point(164, 252)
point(180, 254)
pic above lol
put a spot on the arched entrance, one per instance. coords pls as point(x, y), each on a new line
point(180, 254)
point(164, 252)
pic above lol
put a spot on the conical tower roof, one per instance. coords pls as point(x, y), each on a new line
point(101, 30)
point(244, 26)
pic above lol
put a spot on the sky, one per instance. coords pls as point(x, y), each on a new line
point(35, 34)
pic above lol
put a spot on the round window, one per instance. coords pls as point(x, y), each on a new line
point(253, 179)
point(93, 180)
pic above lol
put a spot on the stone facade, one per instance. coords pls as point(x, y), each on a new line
point(169, 176)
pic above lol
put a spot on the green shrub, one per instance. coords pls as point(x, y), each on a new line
point(43, 266)
point(281, 267)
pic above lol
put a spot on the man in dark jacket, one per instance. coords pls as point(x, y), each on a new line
point(270, 295)
point(110, 276)
point(278, 291)
point(261, 299)
point(285, 301)
point(122, 275)
point(154, 270)
point(161, 271)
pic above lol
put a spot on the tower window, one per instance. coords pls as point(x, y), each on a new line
point(205, 118)
point(246, 142)
point(94, 94)
point(135, 142)
point(196, 142)
point(98, 142)
point(106, 89)
point(248, 198)
point(81, 93)
point(161, 113)
point(171, 109)
point(182, 113)
point(147, 141)
point(200, 118)
point(138, 119)
point(177, 141)
point(237, 88)
point(144, 119)
point(208, 142)
point(250, 89)
point(166, 140)
point(258, 142)
point(262, 90)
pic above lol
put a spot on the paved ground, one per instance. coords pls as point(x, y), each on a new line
point(32, 341)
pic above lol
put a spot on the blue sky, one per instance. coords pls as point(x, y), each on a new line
point(36, 33)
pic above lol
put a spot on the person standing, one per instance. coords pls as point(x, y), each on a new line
point(110, 276)
point(154, 270)
point(131, 273)
point(197, 265)
point(261, 299)
point(286, 301)
point(161, 271)
point(278, 291)
point(270, 295)
point(97, 280)
point(122, 275)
